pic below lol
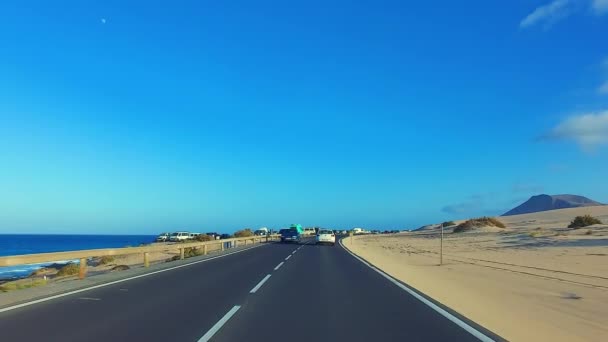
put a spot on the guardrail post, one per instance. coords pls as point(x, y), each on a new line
point(204, 249)
point(181, 254)
point(146, 259)
point(82, 271)
point(222, 246)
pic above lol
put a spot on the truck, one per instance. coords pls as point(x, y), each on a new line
point(298, 227)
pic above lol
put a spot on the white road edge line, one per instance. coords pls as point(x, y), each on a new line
point(214, 329)
point(279, 265)
point(118, 281)
point(432, 305)
point(257, 287)
point(289, 256)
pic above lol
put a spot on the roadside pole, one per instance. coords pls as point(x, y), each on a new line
point(441, 248)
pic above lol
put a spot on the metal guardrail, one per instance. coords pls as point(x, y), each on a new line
point(83, 255)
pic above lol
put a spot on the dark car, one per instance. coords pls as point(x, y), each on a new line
point(290, 235)
point(225, 236)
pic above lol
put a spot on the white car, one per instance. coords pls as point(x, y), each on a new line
point(309, 231)
point(163, 237)
point(326, 236)
point(179, 236)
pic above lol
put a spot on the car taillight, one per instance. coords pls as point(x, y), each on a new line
point(332, 235)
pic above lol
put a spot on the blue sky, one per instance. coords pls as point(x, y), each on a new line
point(218, 115)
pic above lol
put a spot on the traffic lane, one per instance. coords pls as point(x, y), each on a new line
point(177, 305)
point(324, 294)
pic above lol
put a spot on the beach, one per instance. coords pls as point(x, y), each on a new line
point(535, 280)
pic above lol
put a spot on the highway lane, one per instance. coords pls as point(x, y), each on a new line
point(177, 305)
point(275, 292)
point(324, 294)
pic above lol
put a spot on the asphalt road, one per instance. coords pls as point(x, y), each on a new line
point(269, 293)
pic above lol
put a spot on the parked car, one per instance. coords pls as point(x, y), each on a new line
point(214, 236)
point(194, 235)
point(225, 236)
point(327, 237)
point(179, 236)
point(290, 235)
point(163, 237)
point(261, 232)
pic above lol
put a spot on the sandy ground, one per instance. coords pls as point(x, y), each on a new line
point(536, 280)
point(95, 267)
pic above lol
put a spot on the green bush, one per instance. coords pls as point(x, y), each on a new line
point(243, 233)
point(104, 260)
point(448, 224)
point(584, 221)
point(68, 270)
point(478, 222)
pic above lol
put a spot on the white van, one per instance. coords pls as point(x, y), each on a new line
point(179, 236)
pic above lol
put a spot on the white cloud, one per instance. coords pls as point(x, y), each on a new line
point(603, 89)
point(557, 10)
point(549, 13)
point(587, 130)
point(599, 6)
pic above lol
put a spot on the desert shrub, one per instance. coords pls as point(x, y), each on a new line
point(202, 238)
point(584, 221)
point(192, 252)
point(589, 232)
point(478, 222)
point(448, 223)
point(22, 284)
point(173, 258)
point(243, 233)
point(68, 270)
point(104, 260)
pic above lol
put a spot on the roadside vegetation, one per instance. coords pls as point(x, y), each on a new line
point(584, 221)
point(68, 270)
point(448, 224)
point(22, 284)
point(243, 233)
point(477, 223)
point(202, 238)
point(105, 260)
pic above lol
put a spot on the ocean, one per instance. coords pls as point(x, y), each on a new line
point(16, 244)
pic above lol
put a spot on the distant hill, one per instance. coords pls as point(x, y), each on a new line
point(547, 202)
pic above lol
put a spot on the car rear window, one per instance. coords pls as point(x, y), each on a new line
point(325, 232)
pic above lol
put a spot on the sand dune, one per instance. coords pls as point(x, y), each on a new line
point(536, 280)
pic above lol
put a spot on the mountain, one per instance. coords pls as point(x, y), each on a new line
point(547, 202)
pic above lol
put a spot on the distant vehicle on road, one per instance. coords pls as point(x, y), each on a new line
point(309, 231)
point(163, 237)
point(326, 236)
point(290, 235)
point(357, 230)
point(297, 227)
point(179, 236)
point(194, 235)
point(225, 236)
